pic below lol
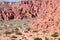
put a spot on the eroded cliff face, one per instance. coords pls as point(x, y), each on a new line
point(20, 10)
point(27, 9)
point(46, 12)
point(48, 16)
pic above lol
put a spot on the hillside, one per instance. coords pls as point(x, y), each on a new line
point(30, 20)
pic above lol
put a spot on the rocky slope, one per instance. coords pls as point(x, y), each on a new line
point(48, 16)
point(19, 10)
point(43, 25)
point(46, 12)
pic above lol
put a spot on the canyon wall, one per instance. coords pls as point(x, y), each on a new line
point(46, 12)
point(48, 16)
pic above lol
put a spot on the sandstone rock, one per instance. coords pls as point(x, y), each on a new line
point(21, 10)
point(46, 12)
point(48, 17)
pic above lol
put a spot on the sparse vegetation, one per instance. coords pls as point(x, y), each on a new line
point(16, 29)
point(20, 26)
point(18, 33)
point(35, 31)
point(46, 38)
point(28, 29)
point(20, 39)
point(58, 38)
point(13, 36)
point(1, 21)
point(7, 32)
point(55, 34)
point(10, 28)
point(38, 39)
point(44, 31)
point(12, 39)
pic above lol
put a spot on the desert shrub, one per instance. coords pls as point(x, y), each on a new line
point(44, 31)
point(46, 38)
point(58, 38)
point(1, 21)
point(35, 31)
point(37, 38)
point(16, 29)
point(20, 39)
point(7, 32)
point(55, 34)
point(28, 29)
point(20, 26)
point(13, 37)
point(18, 33)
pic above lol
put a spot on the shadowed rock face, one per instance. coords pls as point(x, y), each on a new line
point(26, 9)
point(19, 10)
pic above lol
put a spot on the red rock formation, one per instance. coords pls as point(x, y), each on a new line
point(15, 11)
point(48, 16)
point(46, 12)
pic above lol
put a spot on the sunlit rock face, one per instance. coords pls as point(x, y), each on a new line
point(46, 12)
point(48, 16)
point(27, 9)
